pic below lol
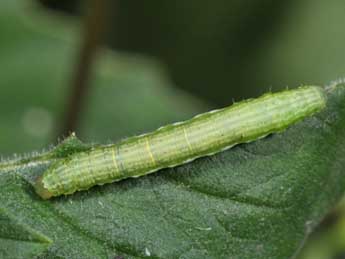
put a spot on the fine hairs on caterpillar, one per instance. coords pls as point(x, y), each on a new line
point(181, 142)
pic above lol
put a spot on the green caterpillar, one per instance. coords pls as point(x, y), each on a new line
point(181, 142)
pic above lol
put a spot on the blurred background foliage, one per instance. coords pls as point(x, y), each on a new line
point(227, 49)
point(170, 60)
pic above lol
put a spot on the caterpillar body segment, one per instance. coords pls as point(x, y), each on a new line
point(181, 142)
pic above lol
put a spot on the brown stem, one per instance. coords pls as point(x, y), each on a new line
point(93, 32)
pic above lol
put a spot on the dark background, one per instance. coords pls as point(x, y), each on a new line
point(226, 49)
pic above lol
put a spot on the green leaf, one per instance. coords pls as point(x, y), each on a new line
point(258, 200)
point(18, 240)
point(35, 69)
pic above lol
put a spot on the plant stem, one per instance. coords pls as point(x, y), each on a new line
point(93, 32)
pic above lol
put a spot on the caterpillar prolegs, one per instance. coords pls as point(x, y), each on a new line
point(181, 142)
